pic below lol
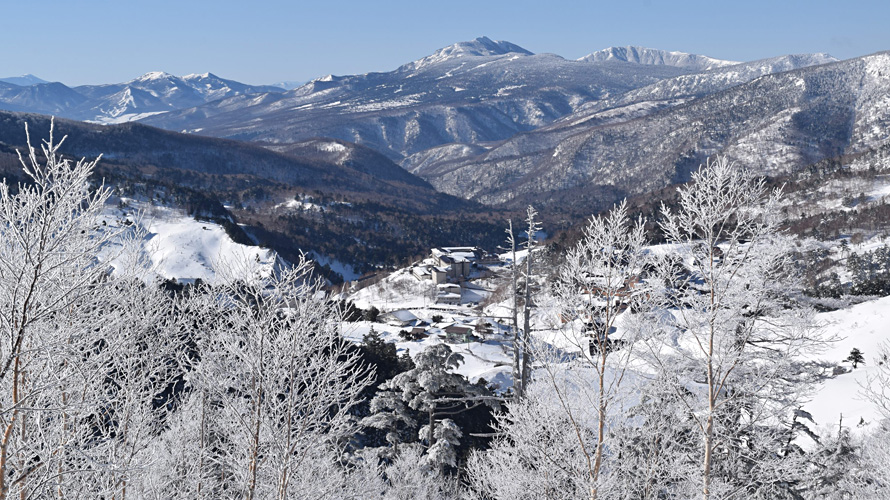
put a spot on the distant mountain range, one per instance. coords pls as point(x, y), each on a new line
point(476, 91)
point(23, 80)
point(491, 122)
point(147, 95)
point(642, 55)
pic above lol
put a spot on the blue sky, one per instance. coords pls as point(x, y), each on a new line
point(104, 41)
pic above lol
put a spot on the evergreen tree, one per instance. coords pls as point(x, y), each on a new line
point(855, 357)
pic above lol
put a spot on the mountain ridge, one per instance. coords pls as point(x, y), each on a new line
point(643, 55)
point(151, 93)
point(476, 91)
point(773, 123)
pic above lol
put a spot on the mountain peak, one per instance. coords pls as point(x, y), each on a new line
point(644, 55)
point(154, 75)
point(24, 80)
point(201, 76)
point(479, 47)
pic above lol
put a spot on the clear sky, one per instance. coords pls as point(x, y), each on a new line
point(264, 41)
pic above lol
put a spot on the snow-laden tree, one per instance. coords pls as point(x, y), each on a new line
point(651, 450)
point(522, 341)
point(541, 451)
point(271, 392)
point(600, 281)
point(731, 331)
point(870, 479)
point(575, 404)
point(406, 479)
point(431, 390)
point(71, 420)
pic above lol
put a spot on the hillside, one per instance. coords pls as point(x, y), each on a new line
point(773, 124)
point(368, 211)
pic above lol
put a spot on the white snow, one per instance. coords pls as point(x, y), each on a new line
point(347, 271)
point(863, 326)
point(126, 117)
point(178, 246)
point(331, 147)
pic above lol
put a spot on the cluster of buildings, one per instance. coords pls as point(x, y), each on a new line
point(455, 330)
point(449, 268)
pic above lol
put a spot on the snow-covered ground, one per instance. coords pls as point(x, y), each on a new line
point(863, 326)
point(175, 245)
point(178, 246)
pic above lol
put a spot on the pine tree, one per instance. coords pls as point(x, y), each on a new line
point(430, 390)
point(855, 357)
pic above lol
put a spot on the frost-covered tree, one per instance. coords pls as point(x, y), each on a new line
point(432, 391)
point(86, 357)
point(599, 281)
point(731, 333)
point(406, 479)
point(543, 447)
point(51, 292)
point(272, 388)
point(522, 335)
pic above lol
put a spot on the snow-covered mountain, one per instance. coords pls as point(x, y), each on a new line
point(465, 99)
point(440, 110)
point(480, 47)
point(476, 91)
point(152, 93)
point(492, 122)
point(643, 55)
point(653, 136)
point(158, 92)
point(45, 98)
point(23, 80)
point(288, 84)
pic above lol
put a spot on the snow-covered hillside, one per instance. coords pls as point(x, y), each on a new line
point(176, 246)
point(862, 326)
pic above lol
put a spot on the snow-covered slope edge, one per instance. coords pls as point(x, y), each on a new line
point(177, 246)
point(861, 326)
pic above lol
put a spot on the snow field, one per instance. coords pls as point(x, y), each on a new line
point(175, 245)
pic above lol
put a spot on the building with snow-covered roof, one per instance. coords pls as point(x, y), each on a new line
point(448, 294)
point(457, 260)
point(399, 318)
point(436, 274)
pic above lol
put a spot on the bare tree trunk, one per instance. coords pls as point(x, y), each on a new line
point(517, 339)
point(526, 323)
point(201, 443)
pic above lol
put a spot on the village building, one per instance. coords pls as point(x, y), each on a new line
point(399, 318)
point(449, 294)
point(451, 265)
point(437, 274)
